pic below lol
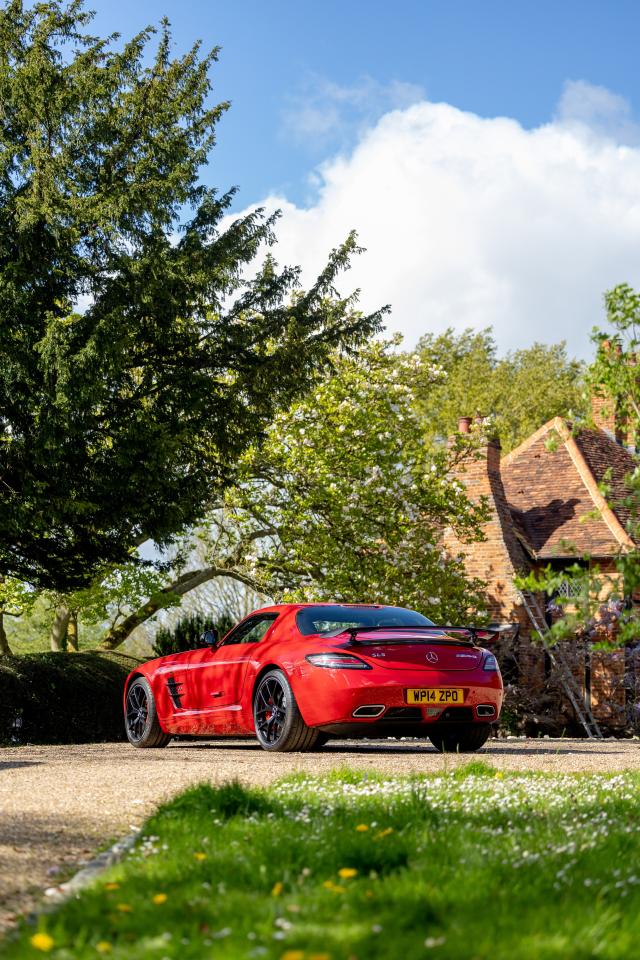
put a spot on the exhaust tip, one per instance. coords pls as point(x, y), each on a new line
point(486, 710)
point(369, 710)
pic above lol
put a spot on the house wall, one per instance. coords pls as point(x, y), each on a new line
point(499, 558)
point(599, 676)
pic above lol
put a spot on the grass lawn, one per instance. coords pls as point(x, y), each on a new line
point(472, 864)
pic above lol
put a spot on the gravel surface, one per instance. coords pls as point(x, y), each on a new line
point(59, 803)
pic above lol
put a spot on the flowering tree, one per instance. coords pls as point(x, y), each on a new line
point(345, 500)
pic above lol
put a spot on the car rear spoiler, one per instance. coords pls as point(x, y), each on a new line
point(486, 634)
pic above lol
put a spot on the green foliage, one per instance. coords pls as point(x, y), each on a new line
point(345, 501)
point(31, 631)
point(120, 423)
point(186, 634)
point(606, 608)
point(614, 373)
point(470, 864)
point(62, 698)
point(520, 391)
point(15, 597)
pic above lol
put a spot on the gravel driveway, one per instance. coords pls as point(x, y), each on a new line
point(57, 804)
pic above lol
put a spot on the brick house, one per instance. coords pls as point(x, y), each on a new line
point(547, 508)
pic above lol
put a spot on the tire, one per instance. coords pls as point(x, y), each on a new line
point(278, 722)
point(141, 718)
point(466, 739)
point(321, 739)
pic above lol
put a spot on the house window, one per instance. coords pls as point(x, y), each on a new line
point(570, 589)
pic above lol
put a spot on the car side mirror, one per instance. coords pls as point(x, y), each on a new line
point(210, 638)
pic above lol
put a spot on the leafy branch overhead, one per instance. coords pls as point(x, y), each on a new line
point(120, 422)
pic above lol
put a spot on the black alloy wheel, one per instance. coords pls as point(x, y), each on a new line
point(271, 709)
point(467, 738)
point(141, 719)
point(137, 711)
point(277, 718)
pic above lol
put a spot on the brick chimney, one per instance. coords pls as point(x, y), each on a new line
point(500, 556)
point(607, 415)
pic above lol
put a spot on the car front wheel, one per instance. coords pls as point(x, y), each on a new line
point(277, 718)
point(141, 718)
point(465, 739)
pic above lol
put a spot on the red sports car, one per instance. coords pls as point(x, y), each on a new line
point(298, 674)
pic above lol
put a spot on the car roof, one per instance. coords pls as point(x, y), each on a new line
point(280, 607)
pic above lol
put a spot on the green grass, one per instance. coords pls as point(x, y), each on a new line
point(468, 865)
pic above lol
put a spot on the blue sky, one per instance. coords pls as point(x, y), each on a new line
point(313, 85)
point(492, 58)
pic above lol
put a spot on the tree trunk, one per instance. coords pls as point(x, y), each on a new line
point(5, 649)
point(72, 633)
point(59, 628)
point(188, 581)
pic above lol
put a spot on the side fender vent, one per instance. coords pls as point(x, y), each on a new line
point(175, 692)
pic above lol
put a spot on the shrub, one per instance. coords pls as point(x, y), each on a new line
point(62, 697)
point(187, 632)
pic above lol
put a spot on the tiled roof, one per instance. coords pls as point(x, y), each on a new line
point(605, 456)
point(551, 485)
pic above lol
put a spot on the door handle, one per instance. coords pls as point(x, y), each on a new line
point(218, 693)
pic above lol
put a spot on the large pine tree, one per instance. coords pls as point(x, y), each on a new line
point(118, 421)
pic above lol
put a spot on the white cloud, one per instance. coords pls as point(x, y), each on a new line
point(597, 110)
point(470, 221)
point(324, 113)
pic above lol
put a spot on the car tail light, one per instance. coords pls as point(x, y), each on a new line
point(490, 663)
point(341, 661)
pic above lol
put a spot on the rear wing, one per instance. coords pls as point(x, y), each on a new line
point(474, 634)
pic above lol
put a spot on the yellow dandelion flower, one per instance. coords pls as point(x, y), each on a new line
point(277, 889)
point(42, 941)
point(112, 886)
point(103, 946)
point(362, 827)
point(334, 887)
point(384, 833)
point(347, 873)
point(319, 956)
point(159, 898)
point(124, 908)
point(199, 855)
point(293, 955)
point(499, 775)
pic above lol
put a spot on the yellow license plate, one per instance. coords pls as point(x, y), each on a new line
point(444, 695)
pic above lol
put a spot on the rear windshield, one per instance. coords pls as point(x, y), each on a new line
point(336, 618)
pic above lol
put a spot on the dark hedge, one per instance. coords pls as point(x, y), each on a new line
point(62, 697)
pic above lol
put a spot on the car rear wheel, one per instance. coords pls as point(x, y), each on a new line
point(277, 718)
point(141, 718)
point(465, 739)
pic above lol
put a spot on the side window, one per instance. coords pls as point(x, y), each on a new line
point(252, 630)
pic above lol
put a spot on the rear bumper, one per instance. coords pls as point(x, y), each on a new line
point(329, 698)
point(380, 731)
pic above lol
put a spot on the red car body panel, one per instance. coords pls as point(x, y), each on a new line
point(210, 691)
